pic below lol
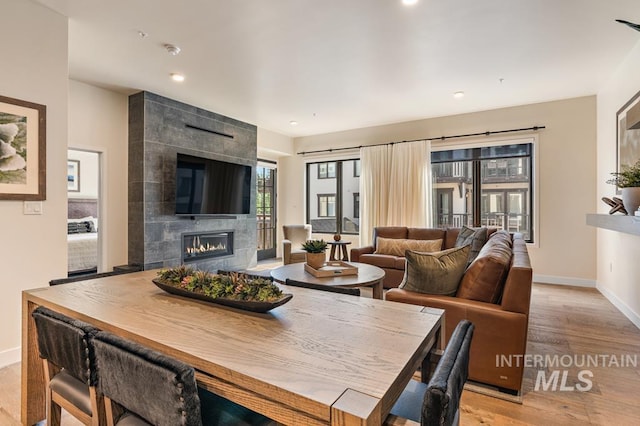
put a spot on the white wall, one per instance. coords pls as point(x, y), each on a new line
point(565, 249)
point(98, 121)
point(279, 148)
point(618, 253)
point(87, 173)
point(272, 145)
point(34, 68)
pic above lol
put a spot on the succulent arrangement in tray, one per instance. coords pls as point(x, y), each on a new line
point(235, 289)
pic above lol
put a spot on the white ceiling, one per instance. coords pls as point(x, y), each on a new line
point(333, 65)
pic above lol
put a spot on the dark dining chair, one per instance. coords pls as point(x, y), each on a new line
point(438, 402)
point(144, 387)
point(329, 288)
point(65, 346)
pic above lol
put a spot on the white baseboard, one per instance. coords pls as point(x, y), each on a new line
point(550, 279)
point(619, 303)
point(10, 356)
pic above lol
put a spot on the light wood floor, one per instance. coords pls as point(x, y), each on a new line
point(564, 321)
point(570, 321)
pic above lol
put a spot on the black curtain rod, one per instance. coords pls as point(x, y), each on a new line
point(441, 138)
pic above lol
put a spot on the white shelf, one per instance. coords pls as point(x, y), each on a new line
point(615, 222)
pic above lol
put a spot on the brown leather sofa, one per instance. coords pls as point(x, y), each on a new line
point(501, 328)
point(394, 265)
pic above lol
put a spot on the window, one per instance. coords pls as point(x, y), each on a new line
point(485, 186)
point(356, 205)
point(266, 209)
point(326, 205)
point(332, 203)
point(327, 170)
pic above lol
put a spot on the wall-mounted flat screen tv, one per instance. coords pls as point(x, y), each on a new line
point(211, 187)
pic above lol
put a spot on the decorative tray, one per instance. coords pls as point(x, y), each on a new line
point(247, 305)
point(331, 269)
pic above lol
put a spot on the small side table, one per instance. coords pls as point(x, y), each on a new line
point(343, 245)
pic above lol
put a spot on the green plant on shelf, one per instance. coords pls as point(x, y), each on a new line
point(627, 177)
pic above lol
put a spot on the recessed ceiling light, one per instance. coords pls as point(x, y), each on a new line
point(177, 77)
point(409, 2)
point(293, 123)
point(458, 95)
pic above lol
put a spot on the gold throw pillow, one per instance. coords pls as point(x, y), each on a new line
point(397, 246)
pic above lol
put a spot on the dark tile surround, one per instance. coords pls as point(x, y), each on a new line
point(157, 132)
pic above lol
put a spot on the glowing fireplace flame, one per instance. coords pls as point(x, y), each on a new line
point(199, 248)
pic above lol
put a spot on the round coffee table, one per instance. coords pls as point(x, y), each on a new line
point(368, 276)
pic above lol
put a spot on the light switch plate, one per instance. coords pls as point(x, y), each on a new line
point(32, 207)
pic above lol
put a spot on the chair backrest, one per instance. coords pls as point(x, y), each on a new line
point(297, 234)
point(332, 289)
point(155, 387)
point(66, 342)
point(442, 398)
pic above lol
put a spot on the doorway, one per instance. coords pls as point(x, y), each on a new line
point(266, 209)
point(83, 212)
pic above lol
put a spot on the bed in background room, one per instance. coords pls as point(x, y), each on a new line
point(82, 236)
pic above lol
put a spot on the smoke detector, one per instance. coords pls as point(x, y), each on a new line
point(172, 49)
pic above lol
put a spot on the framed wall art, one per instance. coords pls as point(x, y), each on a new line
point(23, 160)
point(73, 175)
point(628, 133)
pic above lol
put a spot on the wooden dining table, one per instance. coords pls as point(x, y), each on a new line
point(321, 358)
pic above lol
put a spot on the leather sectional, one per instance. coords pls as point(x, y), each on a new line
point(500, 338)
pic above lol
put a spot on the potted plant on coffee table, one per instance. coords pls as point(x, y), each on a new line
point(628, 180)
point(315, 252)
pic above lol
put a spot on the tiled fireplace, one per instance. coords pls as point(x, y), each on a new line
point(159, 129)
point(204, 245)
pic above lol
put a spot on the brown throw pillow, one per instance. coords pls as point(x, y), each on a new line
point(476, 237)
point(503, 236)
point(435, 273)
point(484, 278)
point(397, 246)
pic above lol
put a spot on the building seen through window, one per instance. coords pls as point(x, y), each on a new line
point(333, 200)
point(487, 186)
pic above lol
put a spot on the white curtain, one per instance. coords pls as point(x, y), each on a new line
point(375, 172)
point(395, 187)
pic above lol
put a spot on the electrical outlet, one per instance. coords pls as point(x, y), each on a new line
point(32, 207)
